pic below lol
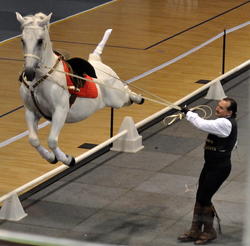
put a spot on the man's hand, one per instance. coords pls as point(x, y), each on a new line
point(184, 109)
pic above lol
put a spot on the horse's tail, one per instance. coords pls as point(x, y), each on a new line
point(98, 50)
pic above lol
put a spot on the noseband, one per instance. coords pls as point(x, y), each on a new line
point(33, 56)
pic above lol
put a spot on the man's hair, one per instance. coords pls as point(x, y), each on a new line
point(232, 107)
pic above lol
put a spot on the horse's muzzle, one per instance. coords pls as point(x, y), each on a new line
point(29, 73)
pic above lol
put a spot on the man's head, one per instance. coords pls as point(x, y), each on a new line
point(227, 107)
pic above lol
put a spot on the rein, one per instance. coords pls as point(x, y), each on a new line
point(158, 99)
point(169, 120)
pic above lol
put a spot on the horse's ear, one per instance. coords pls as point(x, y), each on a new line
point(19, 18)
point(46, 20)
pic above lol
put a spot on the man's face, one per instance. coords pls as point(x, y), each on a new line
point(221, 109)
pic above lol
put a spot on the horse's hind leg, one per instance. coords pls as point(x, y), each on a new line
point(122, 95)
point(32, 122)
point(98, 50)
point(133, 97)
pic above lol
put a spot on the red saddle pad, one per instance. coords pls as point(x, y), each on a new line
point(89, 90)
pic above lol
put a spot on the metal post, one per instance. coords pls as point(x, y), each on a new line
point(224, 52)
point(111, 122)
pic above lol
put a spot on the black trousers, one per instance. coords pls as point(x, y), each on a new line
point(213, 174)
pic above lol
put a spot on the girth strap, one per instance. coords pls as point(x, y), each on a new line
point(77, 82)
point(36, 104)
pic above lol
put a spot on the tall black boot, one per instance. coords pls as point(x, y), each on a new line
point(195, 230)
point(209, 232)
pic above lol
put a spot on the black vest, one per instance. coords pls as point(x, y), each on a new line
point(218, 147)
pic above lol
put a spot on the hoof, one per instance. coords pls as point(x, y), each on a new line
point(54, 161)
point(142, 101)
point(135, 98)
point(72, 162)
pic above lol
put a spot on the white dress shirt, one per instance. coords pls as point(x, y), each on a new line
point(221, 126)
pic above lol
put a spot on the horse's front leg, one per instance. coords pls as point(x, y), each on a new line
point(58, 120)
point(32, 123)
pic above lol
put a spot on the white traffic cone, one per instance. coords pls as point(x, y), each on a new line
point(12, 209)
point(130, 142)
point(215, 91)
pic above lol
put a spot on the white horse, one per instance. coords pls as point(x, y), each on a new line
point(45, 92)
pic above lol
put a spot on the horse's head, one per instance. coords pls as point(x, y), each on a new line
point(35, 39)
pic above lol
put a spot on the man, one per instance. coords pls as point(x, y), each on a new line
point(221, 139)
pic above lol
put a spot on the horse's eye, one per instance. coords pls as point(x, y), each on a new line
point(22, 41)
point(40, 42)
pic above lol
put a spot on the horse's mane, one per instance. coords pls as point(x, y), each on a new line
point(33, 20)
